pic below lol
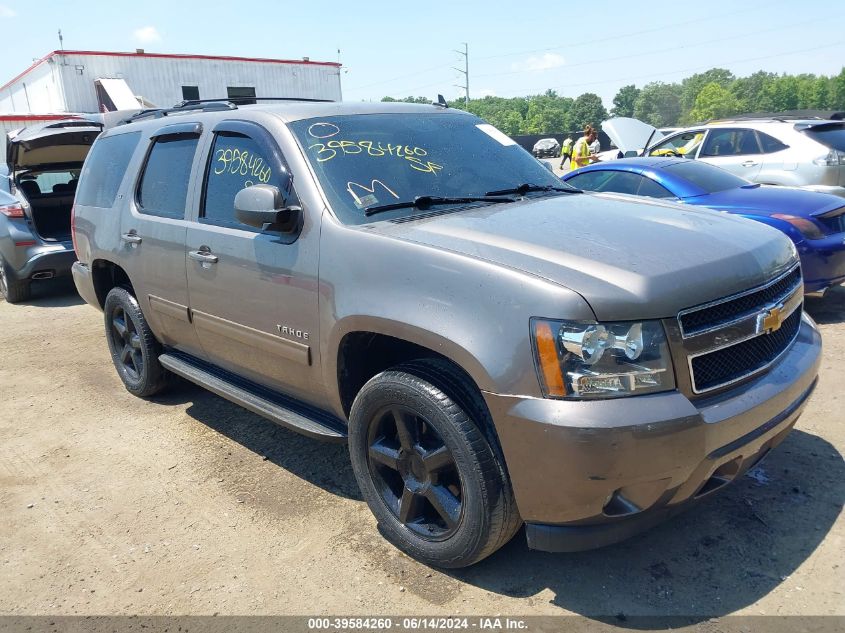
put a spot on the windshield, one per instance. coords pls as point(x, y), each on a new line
point(707, 177)
point(377, 159)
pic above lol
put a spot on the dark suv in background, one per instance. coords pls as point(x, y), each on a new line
point(42, 170)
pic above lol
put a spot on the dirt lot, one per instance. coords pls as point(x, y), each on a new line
point(190, 505)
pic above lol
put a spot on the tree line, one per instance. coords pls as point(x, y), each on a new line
point(716, 93)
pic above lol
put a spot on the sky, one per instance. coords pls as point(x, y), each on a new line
point(401, 49)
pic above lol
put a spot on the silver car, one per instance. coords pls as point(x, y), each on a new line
point(807, 153)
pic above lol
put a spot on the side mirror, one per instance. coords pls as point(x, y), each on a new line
point(263, 205)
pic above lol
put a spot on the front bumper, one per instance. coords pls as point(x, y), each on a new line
point(822, 262)
point(589, 473)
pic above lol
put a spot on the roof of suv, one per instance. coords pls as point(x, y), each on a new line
point(290, 111)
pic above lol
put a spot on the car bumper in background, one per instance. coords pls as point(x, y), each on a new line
point(43, 261)
point(822, 262)
point(589, 473)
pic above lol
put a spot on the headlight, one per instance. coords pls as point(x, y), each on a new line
point(601, 360)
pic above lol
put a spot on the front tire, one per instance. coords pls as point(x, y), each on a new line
point(133, 346)
point(427, 468)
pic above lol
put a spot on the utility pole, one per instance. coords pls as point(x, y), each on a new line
point(464, 72)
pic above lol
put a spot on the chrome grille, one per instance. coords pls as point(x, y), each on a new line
point(738, 336)
point(719, 313)
point(730, 364)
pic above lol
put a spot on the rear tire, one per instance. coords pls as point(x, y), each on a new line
point(13, 291)
point(133, 346)
point(428, 469)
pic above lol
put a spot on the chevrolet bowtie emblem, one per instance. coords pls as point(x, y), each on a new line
point(770, 320)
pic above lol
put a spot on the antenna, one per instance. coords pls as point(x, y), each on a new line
point(464, 72)
point(61, 41)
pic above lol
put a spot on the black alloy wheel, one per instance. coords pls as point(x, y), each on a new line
point(415, 473)
point(428, 464)
point(133, 346)
point(126, 339)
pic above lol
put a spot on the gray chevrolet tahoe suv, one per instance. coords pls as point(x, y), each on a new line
point(496, 347)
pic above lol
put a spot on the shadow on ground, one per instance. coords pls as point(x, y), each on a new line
point(722, 555)
point(53, 293)
point(828, 309)
point(321, 463)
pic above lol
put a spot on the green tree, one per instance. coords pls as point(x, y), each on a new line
point(587, 109)
point(837, 91)
point(624, 101)
point(781, 94)
point(713, 102)
point(659, 104)
point(694, 84)
point(406, 100)
point(749, 90)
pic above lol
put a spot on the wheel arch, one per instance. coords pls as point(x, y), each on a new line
point(106, 275)
point(364, 351)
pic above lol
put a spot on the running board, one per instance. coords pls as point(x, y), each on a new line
point(275, 407)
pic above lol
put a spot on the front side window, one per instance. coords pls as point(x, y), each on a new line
point(370, 160)
point(104, 169)
point(730, 142)
point(236, 162)
point(163, 189)
point(608, 180)
point(685, 144)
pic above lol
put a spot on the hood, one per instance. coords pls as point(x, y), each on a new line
point(766, 200)
point(59, 142)
point(630, 135)
point(629, 258)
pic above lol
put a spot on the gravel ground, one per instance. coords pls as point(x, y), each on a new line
point(187, 504)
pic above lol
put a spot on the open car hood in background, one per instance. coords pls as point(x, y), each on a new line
point(57, 142)
point(630, 135)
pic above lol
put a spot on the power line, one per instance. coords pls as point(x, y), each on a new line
point(705, 67)
point(668, 50)
point(573, 45)
point(658, 29)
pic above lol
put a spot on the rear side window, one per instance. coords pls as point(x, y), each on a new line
point(104, 169)
point(770, 144)
point(164, 184)
point(830, 135)
point(653, 190)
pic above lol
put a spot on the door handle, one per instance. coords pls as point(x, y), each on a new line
point(131, 238)
point(750, 163)
point(204, 256)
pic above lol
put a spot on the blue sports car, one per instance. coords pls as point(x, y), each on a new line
point(815, 222)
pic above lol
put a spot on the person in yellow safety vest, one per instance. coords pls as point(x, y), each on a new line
point(581, 151)
point(565, 151)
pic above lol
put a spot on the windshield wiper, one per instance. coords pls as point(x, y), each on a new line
point(425, 202)
point(527, 187)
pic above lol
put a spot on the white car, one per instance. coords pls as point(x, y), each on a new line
point(807, 153)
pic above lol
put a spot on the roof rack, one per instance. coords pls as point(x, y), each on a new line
point(211, 105)
point(240, 100)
